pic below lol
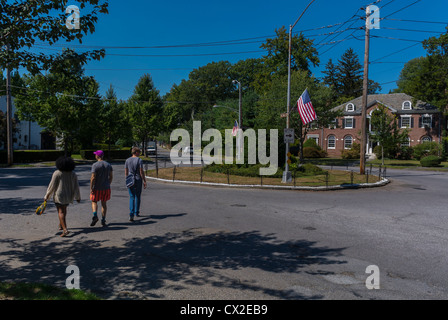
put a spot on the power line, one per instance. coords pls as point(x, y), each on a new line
point(416, 21)
point(398, 51)
point(409, 5)
point(400, 39)
point(412, 30)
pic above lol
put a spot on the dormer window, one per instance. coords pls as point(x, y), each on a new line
point(407, 105)
point(350, 107)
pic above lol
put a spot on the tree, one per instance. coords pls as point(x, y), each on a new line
point(386, 131)
point(22, 22)
point(272, 104)
point(303, 54)
point(64, 101)
point(425, 78)
point(331, 76)
point(195, 97)
point(144, 110)
point(113, 120)
point(346, 77)
point(3, 127)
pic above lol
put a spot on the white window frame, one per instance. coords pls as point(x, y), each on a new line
point(315, 137)
point(331, 138)
point(345, 142)
point(333, 124)
point(350, 107)
point(427, 116)
point(345, 122)
point(404, 106)
point(427, 138)
point(408, 143)
point(406, 117)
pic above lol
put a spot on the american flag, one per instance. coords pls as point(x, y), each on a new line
point(235, 129)
point(305, 107)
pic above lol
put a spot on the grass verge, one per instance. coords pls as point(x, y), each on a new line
point(335, 177)
point(39, 291)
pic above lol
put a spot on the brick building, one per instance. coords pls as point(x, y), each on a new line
point(424, 121)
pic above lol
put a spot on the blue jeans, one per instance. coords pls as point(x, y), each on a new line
point(135, 193)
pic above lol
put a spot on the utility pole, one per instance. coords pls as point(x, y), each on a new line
point(9, 115)
point(362, 162)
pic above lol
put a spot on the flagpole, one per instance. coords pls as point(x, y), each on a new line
point(287, 174)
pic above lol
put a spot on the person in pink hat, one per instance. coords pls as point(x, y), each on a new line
point(100, 181)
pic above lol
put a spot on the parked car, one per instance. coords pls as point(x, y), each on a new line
point(151, 150)
point(188, 150)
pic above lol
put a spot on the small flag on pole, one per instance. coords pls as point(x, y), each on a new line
point(235, 129)
point(305, 107)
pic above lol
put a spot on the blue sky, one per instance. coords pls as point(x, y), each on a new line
point(136, 23)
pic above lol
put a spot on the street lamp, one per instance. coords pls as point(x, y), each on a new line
point(287, 174)
point(240, 136)
point(240, 104)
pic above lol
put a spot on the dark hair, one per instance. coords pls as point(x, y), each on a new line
point(65, 164)
point(135, 150)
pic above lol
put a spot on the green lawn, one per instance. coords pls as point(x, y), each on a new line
point(39, 291)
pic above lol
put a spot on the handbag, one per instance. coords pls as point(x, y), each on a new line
point(40, 210)
point(130, 180)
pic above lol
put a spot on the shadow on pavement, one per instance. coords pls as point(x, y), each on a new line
point(174, 261)
point(20, 205)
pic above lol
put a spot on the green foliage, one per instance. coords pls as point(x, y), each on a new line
point(353, 153)
point(58, 102)
point(346, 77)
point(245, 170)
point(425, 78)
point(405, 153)
point(430, 161)
point(40, 291)
point(23, 22)
point(114, 154)
point(28, 156)
point(144, 110)
point(311, 143)
point(239, 170)
point(312, 152)
point(113, 122)
point(386, 131)
point(303, 55)
point(427, 149)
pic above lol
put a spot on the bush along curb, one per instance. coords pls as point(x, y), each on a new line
point(381, 183)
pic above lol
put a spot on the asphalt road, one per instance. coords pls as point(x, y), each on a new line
point(198, 242)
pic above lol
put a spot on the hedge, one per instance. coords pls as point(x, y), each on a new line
point(114, 154)
point(430, 161)
point(26, 156)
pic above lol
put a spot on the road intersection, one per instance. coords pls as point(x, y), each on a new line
point(202, 242)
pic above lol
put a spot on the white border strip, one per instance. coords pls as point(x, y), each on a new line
point(320, 188)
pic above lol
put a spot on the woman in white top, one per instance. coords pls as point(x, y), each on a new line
point(64, 188)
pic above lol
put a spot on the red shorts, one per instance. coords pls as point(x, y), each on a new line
point(100, 195)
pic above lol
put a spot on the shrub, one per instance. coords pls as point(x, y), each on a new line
point(427, 149)
point(311, 152)
point(114, 154)
point(26, 156)
point(430, 161)
point(310, 143)
point(378, 151)
point(405, 153)
point(353, 153)
point(310, 169)
point(243, 170)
